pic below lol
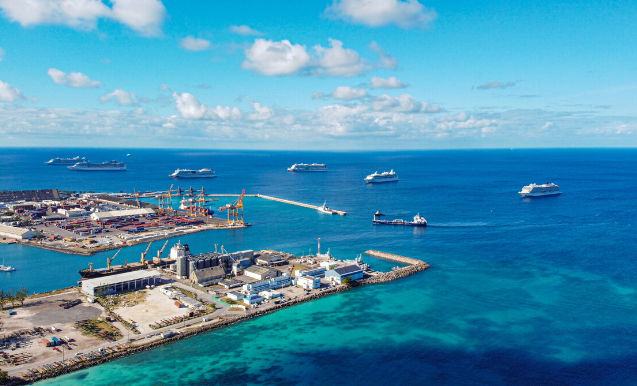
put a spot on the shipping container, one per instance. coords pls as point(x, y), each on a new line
point(178, 304)
point(46, 343)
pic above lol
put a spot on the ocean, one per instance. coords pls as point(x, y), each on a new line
point(521, 291)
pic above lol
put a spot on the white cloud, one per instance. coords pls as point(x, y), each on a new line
point(244, 30)
point(376, 13)
point(348, 93)
point(384, 60)
point(390, 82)
point(339, 61)
point(318, 95)
point(190, 108)
point(404, 103)
point(275, 58)
point(143, 16)
point(490, 85)
point(8, 93)
point(121, 97)
point(1, 54)
point(73, 79)
point(260, 112)
point(191, 43)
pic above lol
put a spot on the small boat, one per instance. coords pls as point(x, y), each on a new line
point(128, 155)
point(325, 209)
point(4, 268)
point(418, 221)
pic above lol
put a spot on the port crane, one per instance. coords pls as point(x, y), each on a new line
point(109, 260)
point(136, 195)
point(157, 259)
point(235, 209)
point(165, 201)
point(197, 206)
point(145, 252)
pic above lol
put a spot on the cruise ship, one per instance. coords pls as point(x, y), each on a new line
point(307, 168)
point(188, 173)
point(381, 177)
point(535, 190)
point(101, 167)
point(66, 161)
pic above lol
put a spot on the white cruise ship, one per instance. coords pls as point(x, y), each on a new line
point(535, 190)
point(381, 177)
point(66, 161)
point(188, 173)
point(307, 168)
point(101, 167)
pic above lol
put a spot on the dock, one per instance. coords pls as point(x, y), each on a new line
point(340, 212)
point(393, 257)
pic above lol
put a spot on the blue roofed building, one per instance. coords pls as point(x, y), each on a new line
point(339, 274)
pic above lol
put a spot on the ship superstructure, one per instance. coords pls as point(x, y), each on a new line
point(381, 177)
point(535, 190)
point(189, 173)
point(66, 161)
point(103, 167)
point(299, 168)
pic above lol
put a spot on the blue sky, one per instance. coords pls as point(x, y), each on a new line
point(331, 74)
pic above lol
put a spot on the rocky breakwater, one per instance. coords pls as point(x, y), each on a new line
point(414, 266)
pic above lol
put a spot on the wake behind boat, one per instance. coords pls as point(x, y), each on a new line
point(189, 173)
point(417, 222)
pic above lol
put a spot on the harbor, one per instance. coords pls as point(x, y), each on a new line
point(104, 319)
point(340, 212)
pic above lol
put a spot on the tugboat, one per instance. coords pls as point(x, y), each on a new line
point(417, 222)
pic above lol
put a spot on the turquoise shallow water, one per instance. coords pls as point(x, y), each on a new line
point(520, 291)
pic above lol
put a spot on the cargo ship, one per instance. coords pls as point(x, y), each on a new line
point(417, 222)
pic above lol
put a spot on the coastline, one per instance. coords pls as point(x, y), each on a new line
point(382, 277)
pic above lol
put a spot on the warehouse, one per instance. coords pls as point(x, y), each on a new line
point(114, 284)
point(261, 273)
point(16, 233)
point(207, 276)
point(267, 259)
point(339, 274)
point(308, 282)
point(253, 299)
point(102, 216)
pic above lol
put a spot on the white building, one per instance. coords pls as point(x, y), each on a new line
point(236, 296)
point(308, 282)
point(276, 283)
point(253, 299)
point(270, 294)
point(261, 273)
point(16, 233)
point(72, 212)
point(113, 284)
point(316, 272)
point(102, 216)
point(328, 264)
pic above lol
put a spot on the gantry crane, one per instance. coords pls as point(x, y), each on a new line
point(165, 201)
point(145, 252)
point(235, 210)
point(157, 259)
point(136, 194)
point(197, 206)
point(109, 260)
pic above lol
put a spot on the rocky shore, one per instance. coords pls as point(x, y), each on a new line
point(414, 266)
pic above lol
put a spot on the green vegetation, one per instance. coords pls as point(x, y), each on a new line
point(4, 376)
point(229, 301)
point(347, 280)
point(13, 296)
point(101, 329)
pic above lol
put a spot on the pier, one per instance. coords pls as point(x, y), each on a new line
point(393, 257)
point(340, 212)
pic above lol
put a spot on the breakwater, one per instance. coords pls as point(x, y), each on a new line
point(340, 212)
point(414, 266)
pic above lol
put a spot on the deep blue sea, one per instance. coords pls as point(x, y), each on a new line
point(521, 291)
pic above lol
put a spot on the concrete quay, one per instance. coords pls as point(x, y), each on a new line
point(340, 212)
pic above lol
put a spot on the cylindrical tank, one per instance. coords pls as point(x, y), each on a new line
point(181, 266)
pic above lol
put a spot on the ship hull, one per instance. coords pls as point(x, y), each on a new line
point(381, 181)
point(184, 177)
point(411, 224)
point(538, 194)
point(97, 169)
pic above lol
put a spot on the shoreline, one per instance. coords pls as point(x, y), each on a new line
point(382, 277)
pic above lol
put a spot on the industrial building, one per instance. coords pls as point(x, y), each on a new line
point(16, 233)
point(207, 276)
point(261, 273)
point(74, 212)
point(185, 262)
point(268, 259)
point(276, 283)
point(103, 216)
point(339, 274)
point(114, 284)
point(316, 272)
point(237, 296)
point(190, 302)
point(308, 282)
point(29, 195)
point(253, 299)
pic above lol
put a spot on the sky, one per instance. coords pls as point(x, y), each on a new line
point(318, 75)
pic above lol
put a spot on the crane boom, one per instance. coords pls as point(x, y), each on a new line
point(145, 252)
point(109, 260)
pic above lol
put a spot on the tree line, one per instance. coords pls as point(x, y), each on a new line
point(13, 296)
